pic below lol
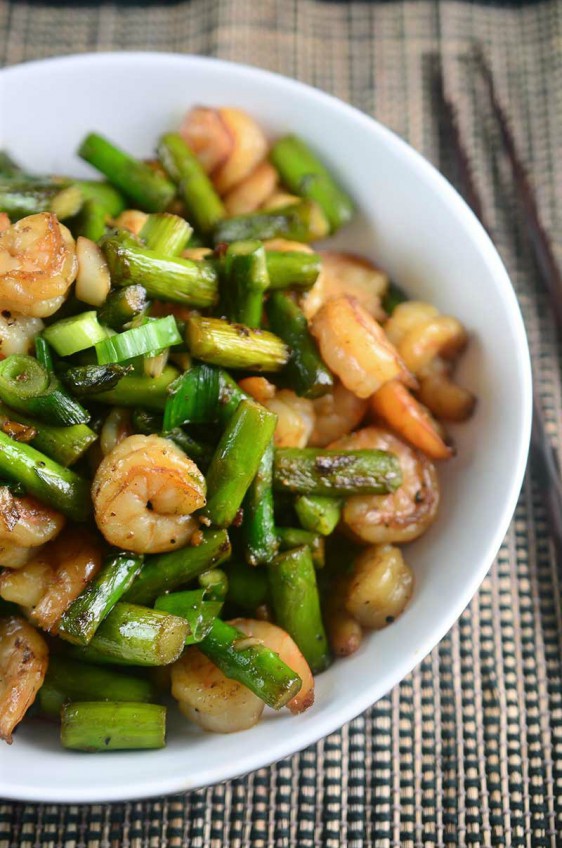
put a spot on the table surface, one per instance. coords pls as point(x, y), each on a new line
point(468, 749)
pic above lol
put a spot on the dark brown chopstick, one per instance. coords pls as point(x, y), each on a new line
point(543, 456)
point(550, 274)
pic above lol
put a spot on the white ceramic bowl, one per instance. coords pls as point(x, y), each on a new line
point(416, 227)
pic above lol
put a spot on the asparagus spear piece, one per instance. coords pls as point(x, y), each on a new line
point(47, 480)
point(236, 460)
point(305, 175)
point(214, 584)
point(91, 221)
point(203, 204)
point(96, 726)
point(50, 700)
point(29, 196)
point(166, 572)
point(166, 277)
point(74, 681)
point(318, 514)
point(247, 587)
point(83, 617)
point(253, 665)
point(246, 282)
point(149, 190)
point(294, 537)
point(137, 390)
point(303, 221)
point(194, 608)
point(218, 342)
point(103, 194)
point(305, 371)
point(296, 602)
point(86, 380)
point(310, 471)
point(258, 528)
point(63, 444)
point(137, 635)
point(8, 167)
point(292, 270)
point(122, 306)
point(166, 234)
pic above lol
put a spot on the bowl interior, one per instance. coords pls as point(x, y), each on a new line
point(414, 225)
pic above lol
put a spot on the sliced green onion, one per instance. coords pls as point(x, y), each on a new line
point(74, 334)
point(27, 387)
point(63, 444)
point(43, 353)
point(152, 336)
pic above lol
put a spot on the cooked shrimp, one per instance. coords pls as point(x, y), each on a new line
point(207, 135)
point(25, 523)
point(18, 332)
point(144, 494)
point(249, 194)
point(279, 641)
point(77, 558)
point(295, 415)
point(279, 199)
point(406, 416)
point(37, 265)
point(406, 513)
point(344, 632)
point(116, 427)
point(295, 419)
point(23, 664)
point(197, 253)
point(132, 220)
point(441, 336)
point(355, 347)
point(209, 698)
point(26, 586)
point(337, 414)
point(286, 245)
point(228, 143)
point(445, 398)
point(406, 316)
point(346, 274)
point(259, 388)
point(421, 334)
point(50, 582)
point(380, 587)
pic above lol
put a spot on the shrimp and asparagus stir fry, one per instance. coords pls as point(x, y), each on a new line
point(214, 438)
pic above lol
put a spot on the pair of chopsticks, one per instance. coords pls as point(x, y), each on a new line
point(543, 456)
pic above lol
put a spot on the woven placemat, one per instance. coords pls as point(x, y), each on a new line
point(468, 749)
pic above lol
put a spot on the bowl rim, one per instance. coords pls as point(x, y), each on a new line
point(302, 737)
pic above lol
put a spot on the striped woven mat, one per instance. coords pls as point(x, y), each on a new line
point(468, 749)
